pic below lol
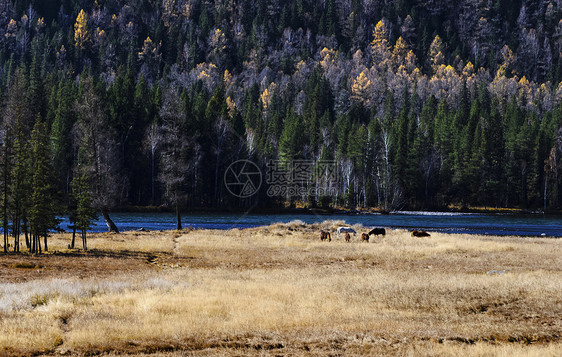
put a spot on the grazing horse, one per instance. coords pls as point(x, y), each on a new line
point(347, 237)
point(420, 234)
point(346, 230)
point(365, 237)
point(377, 231)
point(325, 236)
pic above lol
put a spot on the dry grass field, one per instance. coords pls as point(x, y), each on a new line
point(279, 290)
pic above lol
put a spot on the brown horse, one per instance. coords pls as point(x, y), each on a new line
point(365, 237)
point(347, 237)
point(325, 236)
point(420, 234)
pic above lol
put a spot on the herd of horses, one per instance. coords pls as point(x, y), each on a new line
point(325, 236)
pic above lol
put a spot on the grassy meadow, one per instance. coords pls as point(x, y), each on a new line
point(279, 290)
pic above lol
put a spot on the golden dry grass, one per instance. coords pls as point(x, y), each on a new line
point(279, 290)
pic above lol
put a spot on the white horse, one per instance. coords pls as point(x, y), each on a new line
point(346, 230)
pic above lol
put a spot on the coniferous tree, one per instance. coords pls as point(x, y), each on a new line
point(61, 128)
point(402, 147)
point(175, 162)
point(85, 213)
point(20, 184)
point(292, 138)
point(15, 153)
point(7, 160)
point(42, 212)
point(444, 145)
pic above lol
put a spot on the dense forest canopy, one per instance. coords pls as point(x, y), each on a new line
point(421, 104)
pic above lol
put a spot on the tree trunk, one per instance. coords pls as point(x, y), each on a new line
point(26, 232)
point(15, 229)
point(84, 246)
point(152, 178)
point(73, 237)
point(217, 164)
point(178, 217)
point(545, 184)
point(5, 226)
point(112, 227)
point(45, 240)
point(5, 201)
point(17, 238)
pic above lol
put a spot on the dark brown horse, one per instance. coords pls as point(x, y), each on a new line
point(365, 237)
point(420, 234)
point(378, 231)
point(347, 237)
point(325, 236)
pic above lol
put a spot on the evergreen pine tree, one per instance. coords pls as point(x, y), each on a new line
point(85, 213)
point(42, 215)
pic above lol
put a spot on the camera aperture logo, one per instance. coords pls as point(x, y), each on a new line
point(243, 178)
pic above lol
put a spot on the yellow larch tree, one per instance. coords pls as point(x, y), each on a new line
point(11, 30)
point(226, 78)
point(525, 94)
point(380, 46)
point(231, 105)
point(147, 49)
point(410, 62)
point(267, 95)
point(399, 52)
point(217, 46)
point(508, 59)
point(361, 88)
point(468, 70)
point(436, 57)
point(328, 56)
point(81, 34)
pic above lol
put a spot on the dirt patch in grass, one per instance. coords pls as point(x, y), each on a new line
point(22, 267)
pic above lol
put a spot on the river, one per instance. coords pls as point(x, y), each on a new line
point(468, 223)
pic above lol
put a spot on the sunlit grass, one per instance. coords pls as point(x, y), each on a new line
point(281, 287)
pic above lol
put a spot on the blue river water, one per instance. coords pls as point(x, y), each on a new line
point(468, 223)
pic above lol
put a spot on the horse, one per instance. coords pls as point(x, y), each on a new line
point(325, 236)
point(347, 237)
point(377, 231)
point(346, 230)
point(420, 234)
point(365, 237)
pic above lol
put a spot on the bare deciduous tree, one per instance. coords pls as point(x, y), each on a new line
point(101, 157)
point(152, 141)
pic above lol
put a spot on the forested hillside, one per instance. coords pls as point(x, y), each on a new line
point(421, 104)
